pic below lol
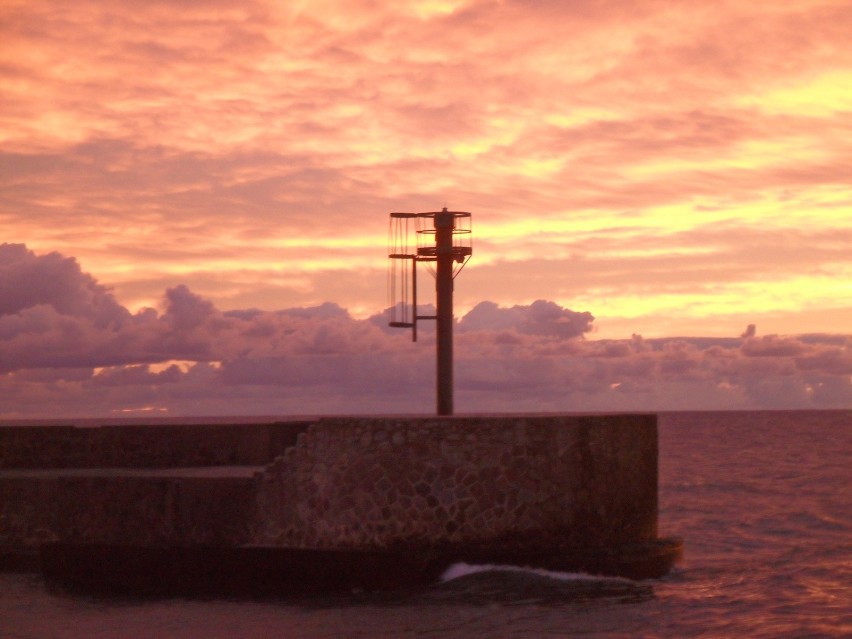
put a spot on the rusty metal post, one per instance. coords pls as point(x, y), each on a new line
point(444, 225)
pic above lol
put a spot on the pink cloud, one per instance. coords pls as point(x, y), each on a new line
point(56, 346)
point(245, 157)
point(539, 318)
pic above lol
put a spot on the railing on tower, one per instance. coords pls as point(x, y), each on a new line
point(446, 243)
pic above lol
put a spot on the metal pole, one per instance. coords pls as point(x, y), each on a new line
point(414, 298)
point(444, 224)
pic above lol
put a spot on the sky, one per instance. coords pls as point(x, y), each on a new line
point(194, 200)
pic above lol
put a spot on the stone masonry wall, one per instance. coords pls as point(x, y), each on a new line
point(359, 483)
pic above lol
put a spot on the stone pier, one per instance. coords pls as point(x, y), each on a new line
point(365, 501)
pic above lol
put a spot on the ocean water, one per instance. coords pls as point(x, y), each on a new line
point(763, 501)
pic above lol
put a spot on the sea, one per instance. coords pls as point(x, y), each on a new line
point(762, 500)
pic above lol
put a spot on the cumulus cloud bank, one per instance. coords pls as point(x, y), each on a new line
point(67, 348)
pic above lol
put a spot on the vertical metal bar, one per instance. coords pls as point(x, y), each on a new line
point(403, 278)
point(444, 222)
point(413, 298)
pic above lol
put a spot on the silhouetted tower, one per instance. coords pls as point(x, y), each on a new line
point(449, 252)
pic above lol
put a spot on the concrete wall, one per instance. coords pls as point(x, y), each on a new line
point(145, 446)
point(111, 484)
point(383, 483)
point(123, 509)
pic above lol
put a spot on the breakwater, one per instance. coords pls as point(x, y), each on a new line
point(139, 485)
point(531, 489)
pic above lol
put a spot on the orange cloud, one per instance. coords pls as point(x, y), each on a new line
point(674, 167)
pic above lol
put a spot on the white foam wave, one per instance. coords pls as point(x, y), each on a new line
point(462, 569)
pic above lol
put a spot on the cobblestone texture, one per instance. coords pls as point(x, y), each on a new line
point(379, 483)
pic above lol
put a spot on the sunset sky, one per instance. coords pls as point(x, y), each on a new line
point(194, 198)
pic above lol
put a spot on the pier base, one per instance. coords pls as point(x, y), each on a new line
point(337, 504)
point(270, 571)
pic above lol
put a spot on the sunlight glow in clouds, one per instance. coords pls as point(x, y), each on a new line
point(826, 95)
point(69, 349)
point(671, 168)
